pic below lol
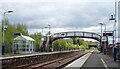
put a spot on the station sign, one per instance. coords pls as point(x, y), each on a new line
point(17, 34)
point(107, 34)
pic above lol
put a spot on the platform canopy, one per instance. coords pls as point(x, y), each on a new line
point(24, 38)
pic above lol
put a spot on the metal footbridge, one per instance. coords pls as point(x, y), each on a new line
point(47, 42)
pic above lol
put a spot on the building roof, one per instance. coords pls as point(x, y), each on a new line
point(24, 38)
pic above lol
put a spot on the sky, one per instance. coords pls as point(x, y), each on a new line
point(61, 15)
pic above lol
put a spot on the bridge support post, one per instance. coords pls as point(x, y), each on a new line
point(104, 51)
point(114, 48)
point(44, 48)
point(101, 48)
point(50, 47)
point(114, 53)
point(44, 45)
point(105, 40)
point(104, 47)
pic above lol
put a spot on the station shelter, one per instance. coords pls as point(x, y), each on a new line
point(23, 44)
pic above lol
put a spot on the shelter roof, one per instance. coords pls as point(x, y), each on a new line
point(24, 38)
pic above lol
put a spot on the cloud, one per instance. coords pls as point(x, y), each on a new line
point(71, 1)
point(62, 15)
point(59, 14)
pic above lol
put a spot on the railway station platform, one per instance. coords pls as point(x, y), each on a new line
point(94, 60)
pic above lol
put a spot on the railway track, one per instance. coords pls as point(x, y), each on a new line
point(54, 64)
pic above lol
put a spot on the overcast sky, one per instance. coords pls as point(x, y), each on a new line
point(62, 15)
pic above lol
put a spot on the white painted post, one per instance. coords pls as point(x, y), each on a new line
point(29, 46)
point(32, 46)
point(26, 46)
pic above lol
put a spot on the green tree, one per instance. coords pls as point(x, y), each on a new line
point(22, 28)
point(8, 34)
point(63, 44)
point(56, 45)
point(37, 37)
point(74, 40)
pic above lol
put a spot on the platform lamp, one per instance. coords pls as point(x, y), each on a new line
point(44, 37)
point(114, 37)
point(114, 31)
point(4, 26)
point(105, 41)
point(101, 37)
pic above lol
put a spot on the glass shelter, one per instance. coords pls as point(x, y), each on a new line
point(23, 44)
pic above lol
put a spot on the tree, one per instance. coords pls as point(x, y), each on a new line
point(63, 44)
point(22, 28)
point(56, 45)
point(37, 37)
point(74, 40)
point(8, 34)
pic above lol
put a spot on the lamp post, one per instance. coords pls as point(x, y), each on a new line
point(101, 37)
point(42, 31)
point(114, 31)
point(105, 28)
point(48, 37)
point(105, 41)
point(49, 28)
point(45, 47)
point(4, 26)
point(50, 46)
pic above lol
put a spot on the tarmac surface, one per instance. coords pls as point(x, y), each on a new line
point(94, 60)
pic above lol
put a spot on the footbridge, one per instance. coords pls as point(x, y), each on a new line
point(73, 34)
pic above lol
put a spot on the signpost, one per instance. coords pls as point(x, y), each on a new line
point(107, 34)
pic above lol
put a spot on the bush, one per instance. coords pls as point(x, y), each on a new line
point(92, 48)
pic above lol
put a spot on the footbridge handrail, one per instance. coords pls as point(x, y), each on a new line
point(77, 34)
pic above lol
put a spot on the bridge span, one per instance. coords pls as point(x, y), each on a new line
point(72, 34)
